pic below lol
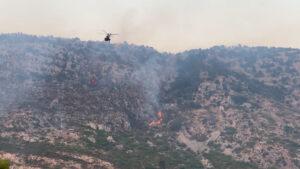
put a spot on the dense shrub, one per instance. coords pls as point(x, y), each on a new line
point(220, 160)
point(4, 164)
point(176, 125)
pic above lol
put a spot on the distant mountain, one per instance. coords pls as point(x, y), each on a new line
point(66, 103)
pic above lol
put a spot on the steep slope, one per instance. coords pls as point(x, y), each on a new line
point(234, 103)
point(235, 107)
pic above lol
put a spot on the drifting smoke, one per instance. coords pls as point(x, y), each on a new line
point(22, 74)
point(15, 81)
point(147, 75)
point(71, 65)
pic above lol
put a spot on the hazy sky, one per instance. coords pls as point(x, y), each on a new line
point(167, 25)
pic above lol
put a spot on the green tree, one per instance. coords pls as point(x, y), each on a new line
point(4, 164)
point(162, 165)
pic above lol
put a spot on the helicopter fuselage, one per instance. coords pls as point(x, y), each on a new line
point(107, 38)
point(108, 35)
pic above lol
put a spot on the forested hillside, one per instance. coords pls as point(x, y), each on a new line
point(66, 103)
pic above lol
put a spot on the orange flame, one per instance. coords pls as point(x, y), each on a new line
point(154, 123)
point(159, 114)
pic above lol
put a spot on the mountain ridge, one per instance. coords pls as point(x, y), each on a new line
point(235, 104)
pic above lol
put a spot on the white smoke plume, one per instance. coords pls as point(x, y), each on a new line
point(148, 76)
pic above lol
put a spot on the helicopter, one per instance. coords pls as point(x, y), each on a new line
point(108, 35)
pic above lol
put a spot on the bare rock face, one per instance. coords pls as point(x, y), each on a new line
point(66, 103)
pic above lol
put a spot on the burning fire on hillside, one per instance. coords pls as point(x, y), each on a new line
point(156, 122)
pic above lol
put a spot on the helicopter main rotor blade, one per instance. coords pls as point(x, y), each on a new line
point(114, 34)
point(104, 31)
